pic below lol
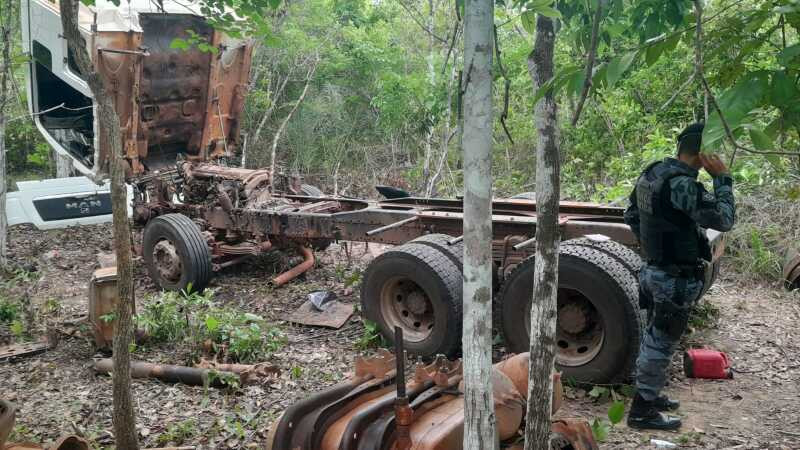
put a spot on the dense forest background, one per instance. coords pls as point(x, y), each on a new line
point(377, 89)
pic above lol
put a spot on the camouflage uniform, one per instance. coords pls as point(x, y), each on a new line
point(673, 291)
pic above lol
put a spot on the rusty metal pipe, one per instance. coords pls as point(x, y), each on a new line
point(524, 244)
point(455, 240)
point(392, 225)
point(291, 274)
point(174, 374)
point(404, 415)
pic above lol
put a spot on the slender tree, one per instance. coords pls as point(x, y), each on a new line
point(479, 420)
point(124, 418)
point(8, 18)
point(545, 277)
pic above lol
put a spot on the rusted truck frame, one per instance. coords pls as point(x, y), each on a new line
point(180, 110)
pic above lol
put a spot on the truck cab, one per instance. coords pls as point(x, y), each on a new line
point(172, 100)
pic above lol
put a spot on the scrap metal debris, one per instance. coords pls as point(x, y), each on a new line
point(248, 373)
point(21, 349)
point(103, 298)
point(320, 299)
point(8, 417)
point(173, 374)
point(361, 411)
point(334, 315)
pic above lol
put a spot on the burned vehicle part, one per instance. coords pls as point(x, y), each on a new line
point(377, 409)
point(171, 101)
point(180, 111)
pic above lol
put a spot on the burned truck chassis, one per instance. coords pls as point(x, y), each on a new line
point(243, 214)
point(199, 218)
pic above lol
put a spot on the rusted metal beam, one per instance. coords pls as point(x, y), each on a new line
point(174, 374)
point(392, 226)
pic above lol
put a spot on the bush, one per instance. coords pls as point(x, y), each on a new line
point(194, 318)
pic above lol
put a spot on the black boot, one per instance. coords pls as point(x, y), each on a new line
point(664, 403)
point(645, 415)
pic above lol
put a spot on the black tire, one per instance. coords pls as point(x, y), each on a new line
point(625, 255)
point(311, 191)
point(589, 275)
point(455, 252)
point(191, 249)
point(424, 269)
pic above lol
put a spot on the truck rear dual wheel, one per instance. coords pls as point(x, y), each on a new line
point(598, 323)
point(176, 254)
point(418, 288)
point(455, 252)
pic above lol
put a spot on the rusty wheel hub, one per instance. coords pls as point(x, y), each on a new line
point(572, 318)
point(405, 304)
point(580, 332)
point(167, 261)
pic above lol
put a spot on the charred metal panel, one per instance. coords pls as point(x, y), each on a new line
point(117, 60)
point(174, 91)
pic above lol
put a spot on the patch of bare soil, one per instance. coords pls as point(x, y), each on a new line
point(57, 392)
point(760, 407)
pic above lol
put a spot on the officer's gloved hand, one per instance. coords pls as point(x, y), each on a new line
point(713, 164)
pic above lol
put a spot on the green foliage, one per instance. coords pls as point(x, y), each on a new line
point(178, 433)
point(17, 328)
point(600, 430)
point(616, 411)
point(371, 338)
point(194, 318)
point(9, 310)
point(703, 315)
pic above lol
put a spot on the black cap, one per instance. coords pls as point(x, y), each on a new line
point(690, 139)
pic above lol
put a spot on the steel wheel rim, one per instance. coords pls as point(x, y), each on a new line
point(405, 304)
point(580, 330)
point(167, 261)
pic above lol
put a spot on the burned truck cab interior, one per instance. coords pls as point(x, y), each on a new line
point(172, 101)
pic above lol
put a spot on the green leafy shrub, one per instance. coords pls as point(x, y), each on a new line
point(194, 318)
point(8, 311)
point(371, 337)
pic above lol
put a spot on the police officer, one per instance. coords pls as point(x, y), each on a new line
point(668, 213)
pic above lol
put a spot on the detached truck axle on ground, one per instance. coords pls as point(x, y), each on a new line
point(180, 111)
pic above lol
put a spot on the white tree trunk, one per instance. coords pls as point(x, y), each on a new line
point(545, 276)
point(63, 165)
point(479, 418)
point(3, 181)
point(7, 18)
point(276, 138)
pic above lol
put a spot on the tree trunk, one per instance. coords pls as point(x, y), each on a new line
point(479, 418)
point(545, 277)
point(286, 120)
point(63, 165)
point(5, 71)
point(123, 417)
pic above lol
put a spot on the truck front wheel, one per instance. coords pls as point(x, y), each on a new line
point(175, 253)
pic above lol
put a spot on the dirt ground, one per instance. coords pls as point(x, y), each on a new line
point(57, 392)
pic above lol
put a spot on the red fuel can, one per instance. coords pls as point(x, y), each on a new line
point(706, 363)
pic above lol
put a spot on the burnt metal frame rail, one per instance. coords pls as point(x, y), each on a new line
point(402, 220)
